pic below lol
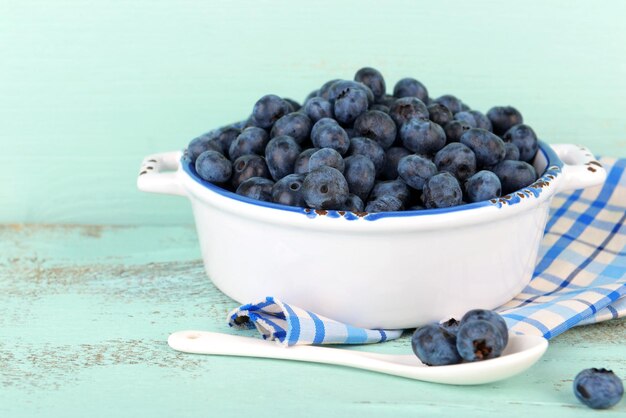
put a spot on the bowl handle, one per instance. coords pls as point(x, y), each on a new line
point(580, 167)
point(159, 174)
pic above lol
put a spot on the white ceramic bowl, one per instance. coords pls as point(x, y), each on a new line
point(380, 270)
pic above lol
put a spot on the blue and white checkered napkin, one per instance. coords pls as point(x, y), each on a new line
point(580, 277)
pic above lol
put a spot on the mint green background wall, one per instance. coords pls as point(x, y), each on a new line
point(87, 88)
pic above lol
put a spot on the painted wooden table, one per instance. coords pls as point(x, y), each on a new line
point(85, 312)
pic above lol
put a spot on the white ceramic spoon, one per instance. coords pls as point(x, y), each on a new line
point(521, 353)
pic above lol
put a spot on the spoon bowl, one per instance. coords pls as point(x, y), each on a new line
point(521, 352)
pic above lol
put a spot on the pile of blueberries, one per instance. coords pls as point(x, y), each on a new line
point(480, 335)
point(354, 147)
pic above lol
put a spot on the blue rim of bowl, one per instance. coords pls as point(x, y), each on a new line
point(553, 169)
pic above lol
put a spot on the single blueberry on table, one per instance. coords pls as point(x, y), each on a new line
point(396, 188)
point(415, 170)
point(280, 155)
point(392, 157)
point(327, 133)
point(457, 159)
point(407, 108)
point(442, 191)
point(455, 129)
point(295, 106)
point(504, 118)
point(512, 152)
point(288, 191)
point(248, 166)
point(360, 175)
point(385, 203)
point(296, 125)
point(489, 149)
point(525, 139)
point(373, 79)
point(214, 167)
point(514, 175)
point(378, 126)
point(479, 340)
point(422, 136)
point(268, 109)
point(326, 157)
point(598, 388)
point(483, 185)
point(325, 188)
point(301, 165)
point(251, 140)
point(197, 146)
point(410, 87)
point(435, 346)
point(451, 102)
point(353, 204)
point(490, 316)
point(257, 188)
point(318, 108)
point(340, 87)
point(370, 148)
point(349, 105)
point(439, 114)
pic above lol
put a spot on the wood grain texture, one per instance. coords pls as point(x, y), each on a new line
point(89, 87)
point(85, 312)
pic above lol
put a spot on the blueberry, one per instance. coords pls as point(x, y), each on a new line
point(325, 188)
point(442, 191)
point(386, 100)
point(257, 188)
point(327, 133)
point(280, 155)
point(225, 137)
point(311, 95)
point(451, 325)
point(504, 118)
point(392, 157)
point(483, 185)
point(369, 148)
point(296, 125)
point(489, 149)
point(197, 146)
point(214, 167)
point(326, 157)
point(451, 102)
point(598, 388)
point(457, 159)
point(251, 140)
point(481, 120)
point(380, 108)
point(466, 117)
point(415, 170)
point(490, 316)
point(340, 87)
point(396, 188)
point(512, 152)
point(439, 114)
point(268, 109)
point(373, 79)
point(318, 108)
point(360, 175)
point(288, 191)
point(295, 106)
point(407, 108)
point(525, 139)
point(479, 340)
point(514, 175)
point(301, 165)
point(455, 129)
point(324, 91)
point(349, 105)
point(435, 346)
point(353, 204)
point(248, 166)
point(378, 126)
point(410, 87)
point(417, 207)
point(422, 136)
point(385, 203)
